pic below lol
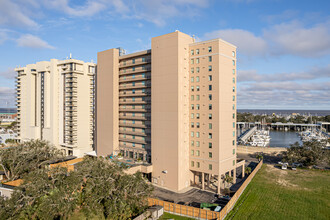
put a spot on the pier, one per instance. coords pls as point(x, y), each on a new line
point(324, 126)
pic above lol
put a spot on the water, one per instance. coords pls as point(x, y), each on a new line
point(285, 112)
point(283, 139)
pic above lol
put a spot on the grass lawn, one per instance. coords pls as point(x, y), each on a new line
point(285, 194)
point(171, 216)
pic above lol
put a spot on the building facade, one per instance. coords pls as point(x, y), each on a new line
point(55, 102)
point(173, 106)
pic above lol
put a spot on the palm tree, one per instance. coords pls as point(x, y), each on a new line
point(247, 170)
point(228, 179)
point(259, 157)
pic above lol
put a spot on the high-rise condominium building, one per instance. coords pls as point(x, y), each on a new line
point(55, 102)
point(173, 106)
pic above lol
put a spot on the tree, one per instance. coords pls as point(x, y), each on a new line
point(10, 141)
point(247, 170)
point(18, 160)
point(259, 157)
point(228, 179)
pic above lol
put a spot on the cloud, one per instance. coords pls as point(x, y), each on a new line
point(7, 95)
point(313, 73)
point(290, 38)
point(8, 74)
point(246, 41)
point(12, 14)
point(29, 40)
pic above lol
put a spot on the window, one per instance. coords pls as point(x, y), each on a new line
point(133, 136)
point(197, 134)
point(210, 68)
point(192, 115)
point(198, 165)
point(197, 79)
point(233, 151)
point(210, 97)
point(197, 69)
point(210, 58)
point(192, 52)
point(192, 98)
point(233, 162)
point(197, 107)
point(233, 142)
point(133, 99)
point(192, 152)
point(197, 60)
point(197, 97)
point(133, 106)
point(210, 166)
point(143, 106)
point(143, 59)
point(233, 115)
point(133, 114)
point(133, 121)
point(210, 49)
point(210, 116)
point(124, 135)
point(233, 88)
point(133, 68)
point(234, 71)
point(210, 135)
point(192, 79)
point(197, 51)
point(133, 76)
point(133, 61)
point(192, 70)
point(192, 107)
point(233, 106)
point(233, 133)
point(192, 143)
point(197, 115)
point(192, 163)
point(197, 143)
point(210, 77)
point(192, 88)
point(233, 62)
point(192, 134)
point(210, 125)
point(210, 145)
point(133, 83)
point(233, 79)
point(210, 87)
point(133, 91)
point(192, 124)
point(210, 106)
point(233, 98)
point(133, 144)
point(233, 124)
point(197, 87)
point(192, 61)
point(210, 154)
point(124, 63)
point(233, 53)
point(197, 153)
point(197, 125)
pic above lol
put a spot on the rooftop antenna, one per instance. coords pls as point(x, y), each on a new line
point(194, 38)
point(70, 56)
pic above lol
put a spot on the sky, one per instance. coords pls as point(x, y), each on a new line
point(283, 46)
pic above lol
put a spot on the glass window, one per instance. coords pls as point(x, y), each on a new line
point(210, 166)
point(192, 143)
point(233, 62)
point(197, 51)
point(210, 77)
point(197, 106)
point(133, 68)
point(197, 124)
point(210, 154)
point(210, 135)
point(133, 76)
point(233, 162)
point(210, 49)
point(210, 58)
point(197, 134)
point(192, 107)
point(197, 60)
point(192, 152)
point(143, 106)
point(233, 98)
point(233, 151)
point(197, 115)
point(133, 99)
point(210, 116)
point(192, 97)
point(133, 144)
point(133, 61)
point(233, 124)
point(133, 121)
point(210, 87)
point(192, 61)
point(192, 134)
point(210, 97)
point(210, 125)
point(233, 79)
point(192, 79)
point(233, 133)
point(192, 115)
point(210, 106)
point(143, 59)
point(192, 88)
point(192, 52)
point(133, 136)
point(233, 106)
point(197, 97)
point(192, 70)
point(192, 163)
point(197, 87)
point(124, 135)
point(233, 88)
point(192, 124)
point(234, 71)
point(133, 91)
point(210, 145)
point(197, 143)
point(198, 165)
point(133, 83)
point(210, 68)
point(197, 69)
point(233, 142)
point(197, 79)
point(233, 53)
point(197, 153)
point(233, 115)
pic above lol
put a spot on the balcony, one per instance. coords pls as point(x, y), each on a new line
point(70, 109)
point(139, 70)
point(131, 125)
point(137, 78)
point(71, 90)
point(133, 140)
point(71, 80)
point(139, 86)
point(134, 95)
point(135, 118)
point(133, 133)
point(133, 110)
point(137, 62)
point(146, 102)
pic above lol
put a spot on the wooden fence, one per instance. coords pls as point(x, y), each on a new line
point(202, 213)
